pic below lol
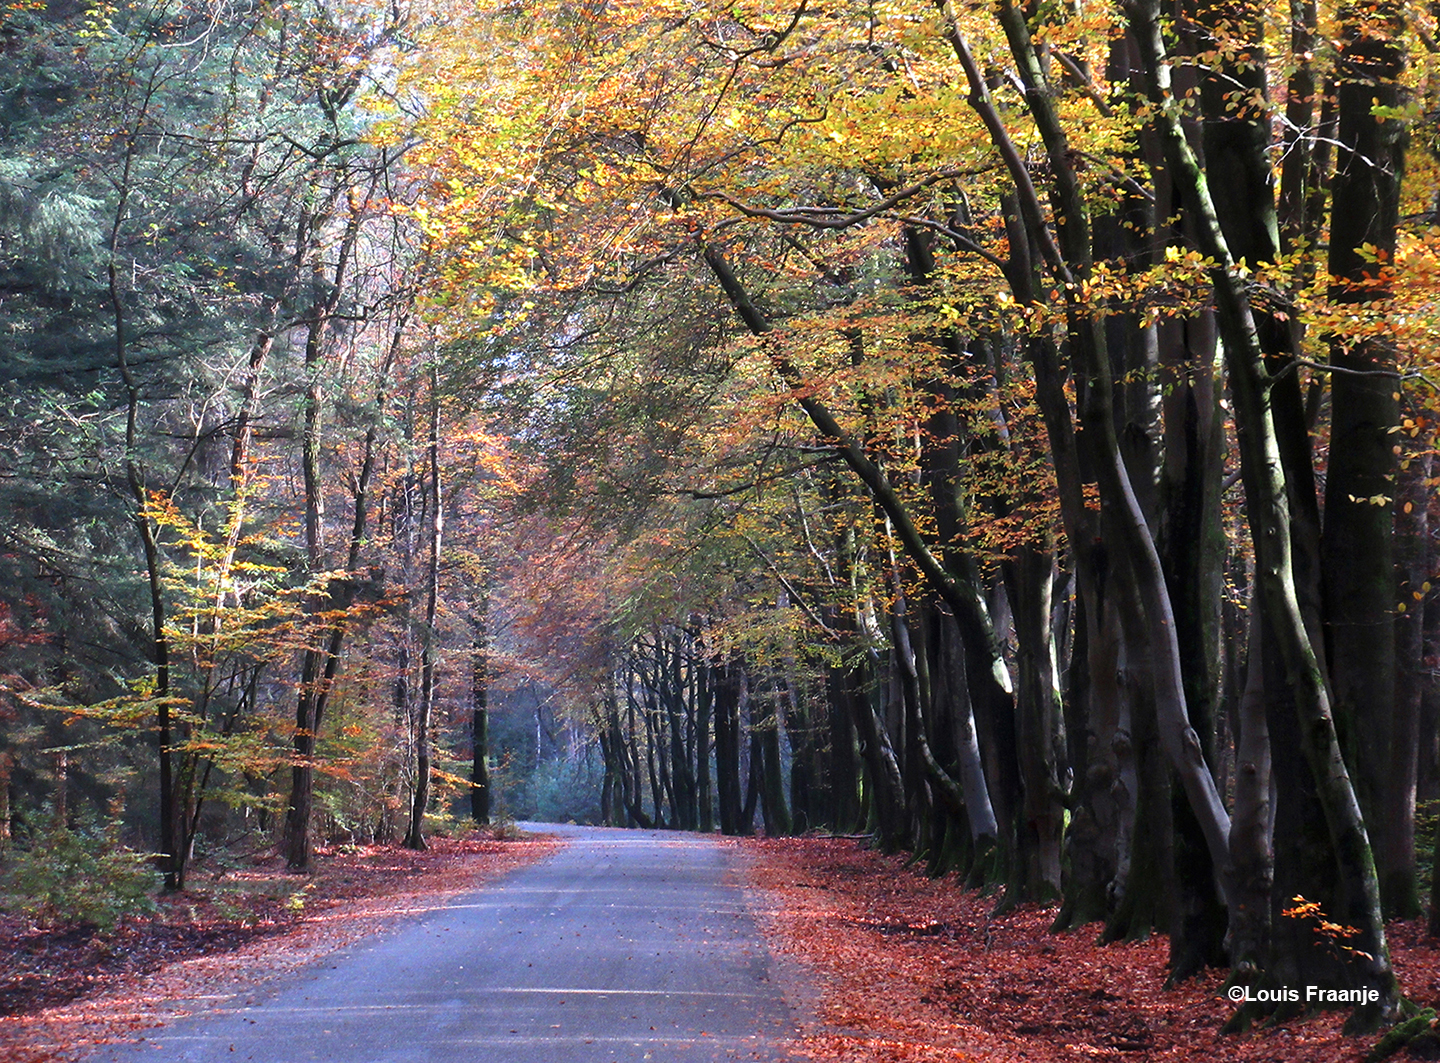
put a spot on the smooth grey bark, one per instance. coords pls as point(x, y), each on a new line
point(1269, 519)
point(1069, 261)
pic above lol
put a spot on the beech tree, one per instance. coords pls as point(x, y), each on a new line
point(850, 183)
point(1003, 431)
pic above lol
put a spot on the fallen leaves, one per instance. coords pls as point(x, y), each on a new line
point(70, 990)
point(913, 969)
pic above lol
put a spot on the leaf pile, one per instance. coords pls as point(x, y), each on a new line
point(914, 969)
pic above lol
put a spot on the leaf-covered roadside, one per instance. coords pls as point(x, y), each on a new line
point(914, 969)
point(65, 990)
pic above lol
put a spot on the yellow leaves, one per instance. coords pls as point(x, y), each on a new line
point(1329, 933)
point(1182, 256)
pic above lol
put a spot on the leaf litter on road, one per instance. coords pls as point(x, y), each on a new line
point(70, 989)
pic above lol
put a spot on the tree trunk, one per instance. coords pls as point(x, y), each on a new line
point(1191, 542)
point(727, 746)
point(430, 646)
point(1039, 738)
point(1413, 530)
point(1357, 546)
point(765, 728)
point(704, 712)
point(1269, 518)
point(172, 855)
point(1252, 824)
point(480, 797)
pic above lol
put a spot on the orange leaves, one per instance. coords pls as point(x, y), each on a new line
point(915, 969)
point(1327, 932)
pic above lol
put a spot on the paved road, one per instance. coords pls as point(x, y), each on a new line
point(624, 946)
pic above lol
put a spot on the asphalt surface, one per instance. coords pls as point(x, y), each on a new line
point(624, 946)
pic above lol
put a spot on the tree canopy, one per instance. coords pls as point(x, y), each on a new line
point(1007, 430)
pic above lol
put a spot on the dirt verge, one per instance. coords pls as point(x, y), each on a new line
point(64, 991)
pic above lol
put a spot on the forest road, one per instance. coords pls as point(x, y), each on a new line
point(623, 946)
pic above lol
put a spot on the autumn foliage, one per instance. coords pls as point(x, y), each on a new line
point(1004, 431)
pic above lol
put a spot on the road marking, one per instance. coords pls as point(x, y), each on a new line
point(517, 990)
point(552, 1039)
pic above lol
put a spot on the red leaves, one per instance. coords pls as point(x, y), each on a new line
point(914, 969)
point(209, 942)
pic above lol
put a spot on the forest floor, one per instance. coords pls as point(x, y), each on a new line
point(911, 969)
point(66, 989)
point(902, 968)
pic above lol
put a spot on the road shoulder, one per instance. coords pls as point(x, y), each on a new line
point(367, 891)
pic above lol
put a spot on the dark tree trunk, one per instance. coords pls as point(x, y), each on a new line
point(430, 646)
point(765, 730)
point(1252, 825)
point(1358, 551)
point(480, 797)
point(1297, 667)
point(844, 763)
point(1039, 735)
point(1192, 549)
point(727, 746)
point(705, 697)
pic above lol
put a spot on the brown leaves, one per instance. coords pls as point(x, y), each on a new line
point(70, 989)
point(913, 969)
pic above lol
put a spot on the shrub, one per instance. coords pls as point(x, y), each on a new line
point(80, 876)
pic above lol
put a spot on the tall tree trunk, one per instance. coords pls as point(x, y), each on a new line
point(1039, 735)
point(430, 644)
point(320, 662)
point(1360, 484)
point(765, 726)
point(1269, 517)
point(1191, 541)
point(480, 796)
point(1413, 531)
point(171, 816)
point(1252, 825)
point(704, 714)
point(727, 745)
